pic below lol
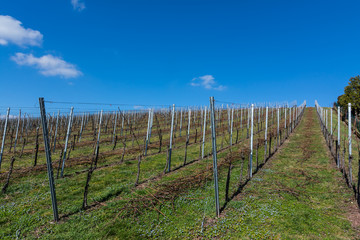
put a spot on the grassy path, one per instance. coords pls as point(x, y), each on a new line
point(298, 195)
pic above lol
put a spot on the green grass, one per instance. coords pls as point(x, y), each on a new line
point(355, 146)
point(25, 209)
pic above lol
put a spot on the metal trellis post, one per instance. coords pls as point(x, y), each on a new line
point(171, 136)
point(66, 141)
point(251, 139)
point(213, 137)
point(48, 160)
point(4, 135)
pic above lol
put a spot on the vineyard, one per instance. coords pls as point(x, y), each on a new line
point(152, 172)
point(179, 119)
point(343, 140)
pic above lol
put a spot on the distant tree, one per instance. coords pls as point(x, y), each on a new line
point(351, 95)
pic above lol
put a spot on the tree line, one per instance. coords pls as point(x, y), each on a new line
point(351, 95)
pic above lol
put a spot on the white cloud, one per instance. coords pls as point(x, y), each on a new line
point(207, 82)
point(220, 88)
point(78, 5)
point(11, 31)
point(48, 65)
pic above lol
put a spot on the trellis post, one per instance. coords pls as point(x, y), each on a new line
point(350, 143)
point(4, 135)
point(251, 139)
point(66, 141)
point(204, 132)
point(338, 143)
point(17, 130)
point(56, 130)
point(171, 136)
point(266, 130)
point(213, 138)
point(48, 159)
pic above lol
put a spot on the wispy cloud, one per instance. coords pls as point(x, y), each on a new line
point(207, 82)
point(12, 31)
point(48, 65)
point(138, 107)
point(78, 5)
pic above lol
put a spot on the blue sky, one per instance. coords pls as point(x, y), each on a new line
point(177, 51)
